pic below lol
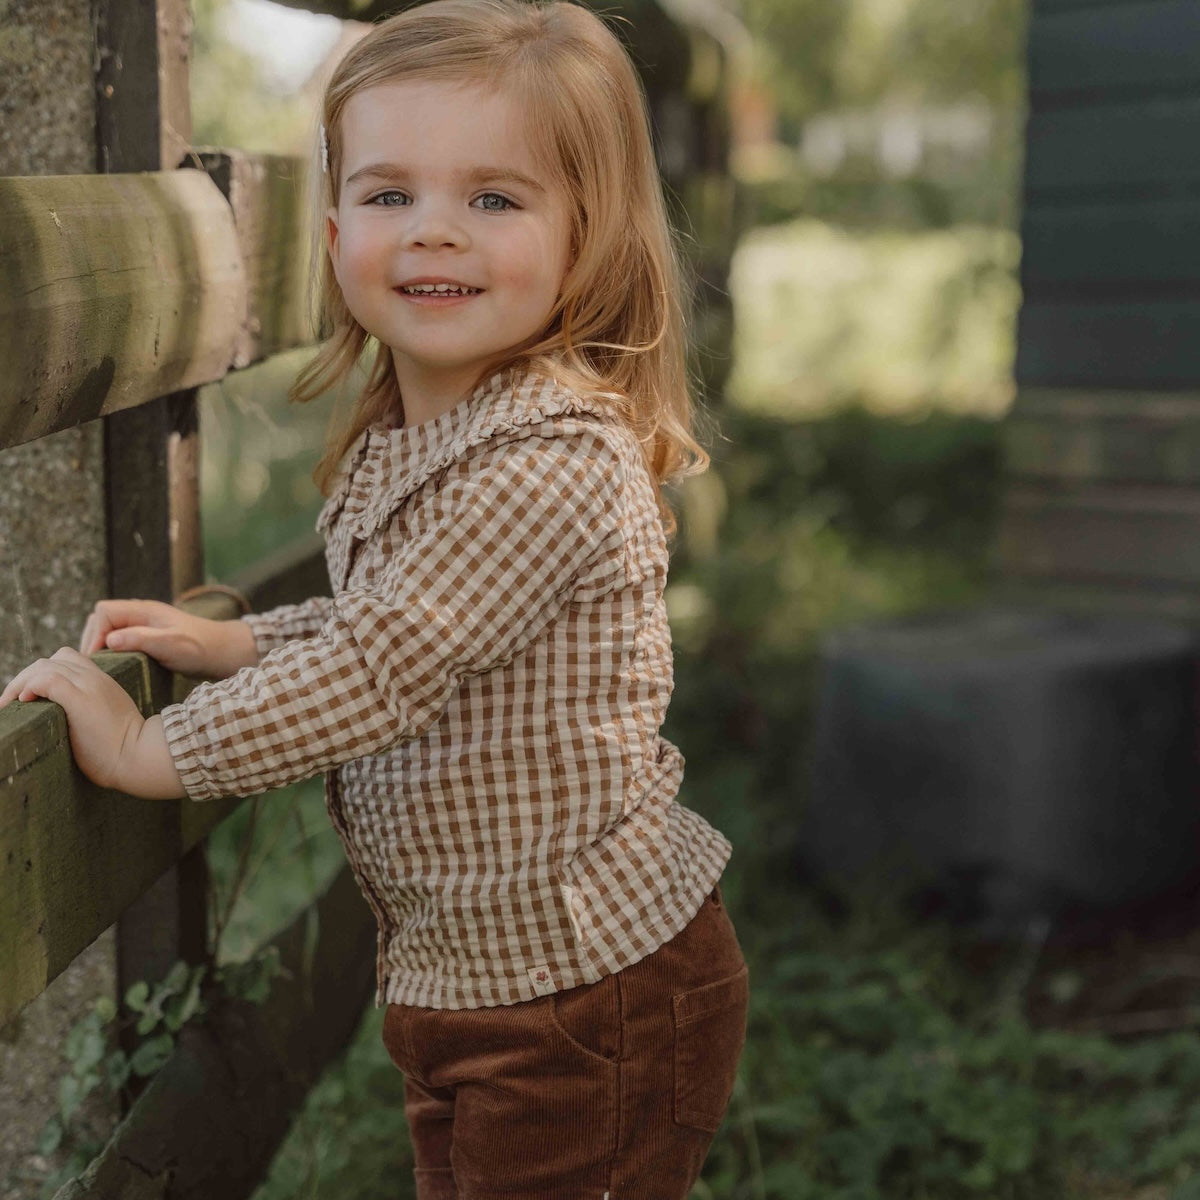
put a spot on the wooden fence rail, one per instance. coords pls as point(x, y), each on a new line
point(212, 1119)
point(74, 856)
point(118, 289)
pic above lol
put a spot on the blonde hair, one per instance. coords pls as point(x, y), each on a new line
point(616, 333)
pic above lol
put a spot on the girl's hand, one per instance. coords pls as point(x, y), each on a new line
point(190, 645)
point(103, 722)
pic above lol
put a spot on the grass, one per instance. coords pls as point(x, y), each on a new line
point(825, 316)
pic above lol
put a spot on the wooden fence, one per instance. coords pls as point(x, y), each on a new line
point(126, 288)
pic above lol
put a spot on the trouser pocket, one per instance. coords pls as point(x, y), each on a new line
point(710, 1031)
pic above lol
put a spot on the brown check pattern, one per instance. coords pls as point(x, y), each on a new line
point(484, 693)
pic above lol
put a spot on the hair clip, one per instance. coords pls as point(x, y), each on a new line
point(324, 150)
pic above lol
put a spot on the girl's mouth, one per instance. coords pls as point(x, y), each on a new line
point(438, 289)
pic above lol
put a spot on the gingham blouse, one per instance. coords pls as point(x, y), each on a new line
point(484, 693)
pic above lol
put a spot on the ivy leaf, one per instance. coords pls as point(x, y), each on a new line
point(137, 995)
point(72, 1091)
point(90, 1051)
point(266, 967)
point(177, 978)
point(183, 1008)
point(106, 1009)
point(251, 980)
point(74, 1042)
point(151, 1055)
point(51, 1136)
point(116, 1070)
point(148, 1020)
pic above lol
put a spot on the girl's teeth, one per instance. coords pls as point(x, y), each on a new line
point(439, 289)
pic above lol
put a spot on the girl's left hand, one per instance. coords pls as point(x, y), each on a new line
point(103, 722)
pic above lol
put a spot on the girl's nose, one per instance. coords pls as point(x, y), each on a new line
point(435, 226)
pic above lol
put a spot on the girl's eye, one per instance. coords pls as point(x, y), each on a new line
point(389, 199)
point(494, 202)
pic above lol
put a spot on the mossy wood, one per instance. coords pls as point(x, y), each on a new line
point(210, 1122)
point(126, 288)
point(266, 193)
point(72, 856)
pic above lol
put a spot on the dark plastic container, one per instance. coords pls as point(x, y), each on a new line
point(1016, 762)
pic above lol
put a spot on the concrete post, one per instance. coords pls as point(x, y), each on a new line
point(52, 538)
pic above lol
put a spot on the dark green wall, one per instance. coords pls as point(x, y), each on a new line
point(1111, 227)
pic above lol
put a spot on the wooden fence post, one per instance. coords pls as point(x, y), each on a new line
point(143, 123)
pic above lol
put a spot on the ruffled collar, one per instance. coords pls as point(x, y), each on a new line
point(386, 464)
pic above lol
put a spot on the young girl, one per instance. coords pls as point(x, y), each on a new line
point(484, 690)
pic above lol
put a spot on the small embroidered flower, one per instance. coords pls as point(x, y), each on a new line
point(324, 151)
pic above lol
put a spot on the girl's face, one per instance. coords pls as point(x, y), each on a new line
point(449, 241)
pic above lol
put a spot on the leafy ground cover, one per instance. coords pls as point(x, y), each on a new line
point(891, 1054)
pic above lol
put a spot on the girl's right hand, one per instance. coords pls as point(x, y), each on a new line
point(189, 645)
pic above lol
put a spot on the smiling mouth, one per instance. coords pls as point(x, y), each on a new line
point(438, 289)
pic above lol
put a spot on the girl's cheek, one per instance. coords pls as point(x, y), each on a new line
point(360, 257)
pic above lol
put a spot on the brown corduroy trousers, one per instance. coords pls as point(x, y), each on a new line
point(609, 1091)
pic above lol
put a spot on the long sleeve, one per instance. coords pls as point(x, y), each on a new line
point(287, 623)
point(487, 559)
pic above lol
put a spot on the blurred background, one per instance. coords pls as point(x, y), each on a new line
point(849, 185)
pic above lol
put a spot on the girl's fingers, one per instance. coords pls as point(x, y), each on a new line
point(39, 678)
point(109, 615)
point(94, 632)
point(88, 640)
point(128, 637)
point(105, 616)
point(72, 658)
point(19, 685)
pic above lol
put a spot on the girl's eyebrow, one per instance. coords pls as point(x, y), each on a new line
point(475, 176)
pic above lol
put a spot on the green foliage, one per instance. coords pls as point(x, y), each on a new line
point(263, 871)
point(821, 54)
point(350, 1138)
point(156, 1013)
point(878, 1064)
point(268, 861)
point(257, 456)
point(825, 318)
point(862, 65)
point(797, 48)
point(232, 102)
